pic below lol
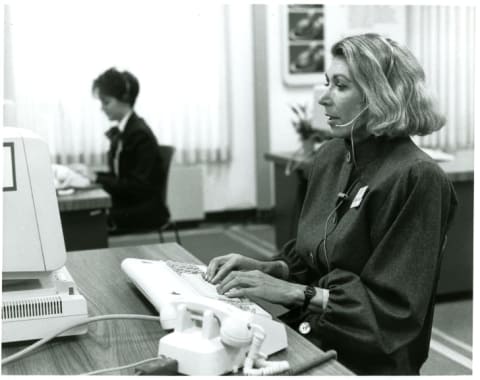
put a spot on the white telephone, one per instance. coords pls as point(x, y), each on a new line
point(211, 336)
point(214, 338)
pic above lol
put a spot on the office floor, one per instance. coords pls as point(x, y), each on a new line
point(451, 343)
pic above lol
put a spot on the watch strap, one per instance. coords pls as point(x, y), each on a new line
point(309, 293)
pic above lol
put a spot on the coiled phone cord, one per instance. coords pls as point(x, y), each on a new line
point(257, 359)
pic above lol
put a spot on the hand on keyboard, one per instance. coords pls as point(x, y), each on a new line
point(206, 289)
point(200, 285)
point(194, 275)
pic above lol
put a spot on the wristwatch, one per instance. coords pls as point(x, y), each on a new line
point(309, 293)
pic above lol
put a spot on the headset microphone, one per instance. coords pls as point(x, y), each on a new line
point(352, 121)
point(342, 196)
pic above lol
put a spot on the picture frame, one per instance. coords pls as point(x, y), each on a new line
point(304, 44)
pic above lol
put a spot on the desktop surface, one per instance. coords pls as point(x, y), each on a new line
point(83, 199)
point(107, 290)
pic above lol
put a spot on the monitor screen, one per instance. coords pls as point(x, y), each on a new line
point(9, 176)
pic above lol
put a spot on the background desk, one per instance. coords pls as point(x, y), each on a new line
point(457, 269)
point(113, 343)
point(84, 219)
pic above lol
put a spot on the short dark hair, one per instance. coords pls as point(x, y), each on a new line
point(121, 85)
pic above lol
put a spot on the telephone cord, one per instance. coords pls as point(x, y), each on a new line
point(255, 358)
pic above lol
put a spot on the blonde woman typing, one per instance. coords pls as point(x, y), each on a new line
point(361, 275)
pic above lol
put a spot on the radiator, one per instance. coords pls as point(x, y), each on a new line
point(185, 193)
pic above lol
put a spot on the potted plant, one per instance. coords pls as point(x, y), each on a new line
point(303, 126)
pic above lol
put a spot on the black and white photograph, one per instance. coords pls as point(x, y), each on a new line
point(305, 33)
point(233, 188)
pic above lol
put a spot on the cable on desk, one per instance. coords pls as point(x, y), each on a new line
point(42, 341)
point(309, 364)
point(126, 366)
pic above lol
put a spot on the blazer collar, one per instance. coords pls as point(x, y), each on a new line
point(370, 149)
point(131, 122)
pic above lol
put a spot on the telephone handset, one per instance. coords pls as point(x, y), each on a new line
point(214, 338)
point(234, 325)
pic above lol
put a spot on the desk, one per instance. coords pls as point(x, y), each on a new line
point(457, 270)
point(113, 343)
point(84, 218)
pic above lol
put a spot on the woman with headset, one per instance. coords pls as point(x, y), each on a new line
point(361, 275)
point(134, 179)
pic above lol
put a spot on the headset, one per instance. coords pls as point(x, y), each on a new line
point(354, 119)
point(342, 197)
point(126, 94)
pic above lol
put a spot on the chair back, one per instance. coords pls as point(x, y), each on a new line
point(165, 153)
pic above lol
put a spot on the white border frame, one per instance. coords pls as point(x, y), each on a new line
point(298, 80)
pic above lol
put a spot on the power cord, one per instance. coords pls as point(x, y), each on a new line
point(44, 340)
point(163, 365)
point(102, 371)
point(306, 365)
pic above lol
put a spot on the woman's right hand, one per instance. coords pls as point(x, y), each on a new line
point(221, 266)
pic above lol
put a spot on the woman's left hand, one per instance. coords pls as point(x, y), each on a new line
point(260, 285)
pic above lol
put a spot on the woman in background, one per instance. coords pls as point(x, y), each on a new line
point(361, 275)
point(135, 177)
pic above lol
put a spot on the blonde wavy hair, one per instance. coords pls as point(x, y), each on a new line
point(393, 85)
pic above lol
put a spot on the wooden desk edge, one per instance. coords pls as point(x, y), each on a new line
point(84, 200)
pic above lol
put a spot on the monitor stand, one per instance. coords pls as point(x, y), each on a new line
point(34, 308)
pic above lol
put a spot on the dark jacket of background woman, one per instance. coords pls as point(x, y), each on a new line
point(136, 190)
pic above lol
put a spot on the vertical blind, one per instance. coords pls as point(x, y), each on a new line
point(56, 49)
point(443, 38)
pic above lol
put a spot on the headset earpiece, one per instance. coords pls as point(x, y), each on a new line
point(126, 94)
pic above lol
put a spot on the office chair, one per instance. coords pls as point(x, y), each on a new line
point(166, 153)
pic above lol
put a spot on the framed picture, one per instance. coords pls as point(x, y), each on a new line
point(304, 49)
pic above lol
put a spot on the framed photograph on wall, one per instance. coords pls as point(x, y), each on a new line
point(304, 50)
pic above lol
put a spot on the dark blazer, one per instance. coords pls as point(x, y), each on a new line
point(136, 190)
point(379, 256)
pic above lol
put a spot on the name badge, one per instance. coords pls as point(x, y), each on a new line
point(359, 197)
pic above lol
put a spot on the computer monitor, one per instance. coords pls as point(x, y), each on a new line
point(32, 231)
point(38, 294)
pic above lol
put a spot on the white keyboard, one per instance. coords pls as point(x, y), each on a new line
point(161, 282)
